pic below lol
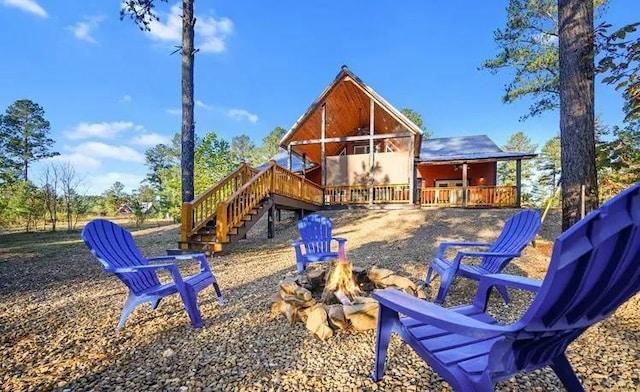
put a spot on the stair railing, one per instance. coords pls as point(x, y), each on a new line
point(231, 211)
point(197, 213)
point(287, 183)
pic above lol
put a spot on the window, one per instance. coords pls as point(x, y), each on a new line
point(362, 149)
point(343, 152)
point(388, 148)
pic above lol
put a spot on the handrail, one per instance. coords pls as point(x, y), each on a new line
point(231, 211)
point(197, 213)
point(476, 196)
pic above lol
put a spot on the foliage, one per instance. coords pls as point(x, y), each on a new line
point(518, 142)
point(213, 161)
point(24, 204)
point(271, 144)
point(548, 168)
point(619, 161)
point(159, 158)
point(621, 60)
point(24, 136)
point(528, 47)
point(139, 211)
point(243, 150)
point(113, 198)
point(416, 118)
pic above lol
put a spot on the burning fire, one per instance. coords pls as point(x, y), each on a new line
point(342, 283)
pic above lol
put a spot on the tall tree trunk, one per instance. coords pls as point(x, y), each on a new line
point(188, 143)
point(577, 128)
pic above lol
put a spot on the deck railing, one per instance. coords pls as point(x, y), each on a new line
point(292, 185)
point(477, 196)
point(359, 194)
point(202, 209)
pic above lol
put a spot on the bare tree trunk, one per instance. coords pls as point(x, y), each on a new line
point(577, 128)
point(188, 143)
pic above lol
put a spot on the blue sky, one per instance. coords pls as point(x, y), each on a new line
point(111, 91)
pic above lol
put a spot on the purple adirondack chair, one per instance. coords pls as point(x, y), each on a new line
point(517, 232)
point(595, 267)
point(114, 247)
point(315, 235)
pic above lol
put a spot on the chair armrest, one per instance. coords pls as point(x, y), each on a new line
point(339, 239)
point(296, 242)
point(504, 280)
point(172, 268)
point(437, 316)
point(444, 245)
point(200, 257)
point(487, 254)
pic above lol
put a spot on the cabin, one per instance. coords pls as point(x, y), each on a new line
point(362, 150)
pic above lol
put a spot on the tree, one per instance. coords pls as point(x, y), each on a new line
point(159, 158)
point(50, 182)
point(24, 135)
point(622, 61)
point(619, 160)
point(548, 166)
point(114, 197)
point(577, 123)
point(243, 150)
point(25, 204)
point(69, 182)
point(213, 161)
point(271, 143)
point(518, 142)
point(528, 46)
point(142, 13)
point(416, 118)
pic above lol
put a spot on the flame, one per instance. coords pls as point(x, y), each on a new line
point(341, 280)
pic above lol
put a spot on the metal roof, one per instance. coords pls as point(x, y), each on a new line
point(466, 148)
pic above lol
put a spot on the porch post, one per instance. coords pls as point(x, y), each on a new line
point(464, 184)
point(304, 165)
point(371, 157)
point(289, 160)
point(323, 157)
point(412, 171)
point(518, 182)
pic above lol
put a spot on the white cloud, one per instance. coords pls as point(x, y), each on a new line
point(210, 33)
point(76, 159)
point(241, 114)
point(103, 150)
point(99, 182)
point(104, 130)
point(30, 6)
point(82, 30)
point(174, 112)
point(150, 140)
point(127, 98)
point(203, 105)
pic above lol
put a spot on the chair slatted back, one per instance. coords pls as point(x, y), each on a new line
point(114, 247)
point(315, 232)
point(518, 231)
point(594, 268)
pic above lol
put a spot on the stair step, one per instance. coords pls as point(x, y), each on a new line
point(217, 246)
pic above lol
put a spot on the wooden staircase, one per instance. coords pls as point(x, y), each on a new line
point(224, 213)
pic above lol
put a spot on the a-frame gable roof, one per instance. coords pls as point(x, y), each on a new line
point(347, 101)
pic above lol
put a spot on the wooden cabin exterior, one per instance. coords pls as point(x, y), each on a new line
point(361, 150)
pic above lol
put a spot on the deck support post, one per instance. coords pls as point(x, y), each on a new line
point(371, 149)
point(289, 163)
point(279, 214)
point(465, 167)
point(518, 183)
point(412, 173)
point(271, 222)
point(323, 152)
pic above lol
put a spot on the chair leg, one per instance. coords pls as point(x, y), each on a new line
point(503, 292)
point(427, 281)
point(445, 283)
point(387, 319)
point(218, 293)
point(128, 307)
point(155, 303)
point(190, 300)
point(565, 373)
point(301, 266)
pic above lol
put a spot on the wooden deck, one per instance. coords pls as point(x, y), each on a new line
point(476, 196)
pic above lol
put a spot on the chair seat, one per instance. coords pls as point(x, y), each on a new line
point(469, 354)
point(321, 256)
point(469, 271)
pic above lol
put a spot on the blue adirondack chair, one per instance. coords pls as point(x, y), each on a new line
point(595, 268)
point(315, 236)
point(517, 232)
point(114, 247)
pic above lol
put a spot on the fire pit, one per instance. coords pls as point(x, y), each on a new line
point(335, 296)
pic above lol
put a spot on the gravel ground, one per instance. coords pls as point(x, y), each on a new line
point(58, 311)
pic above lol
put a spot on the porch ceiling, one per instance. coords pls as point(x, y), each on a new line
point(348, 104)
